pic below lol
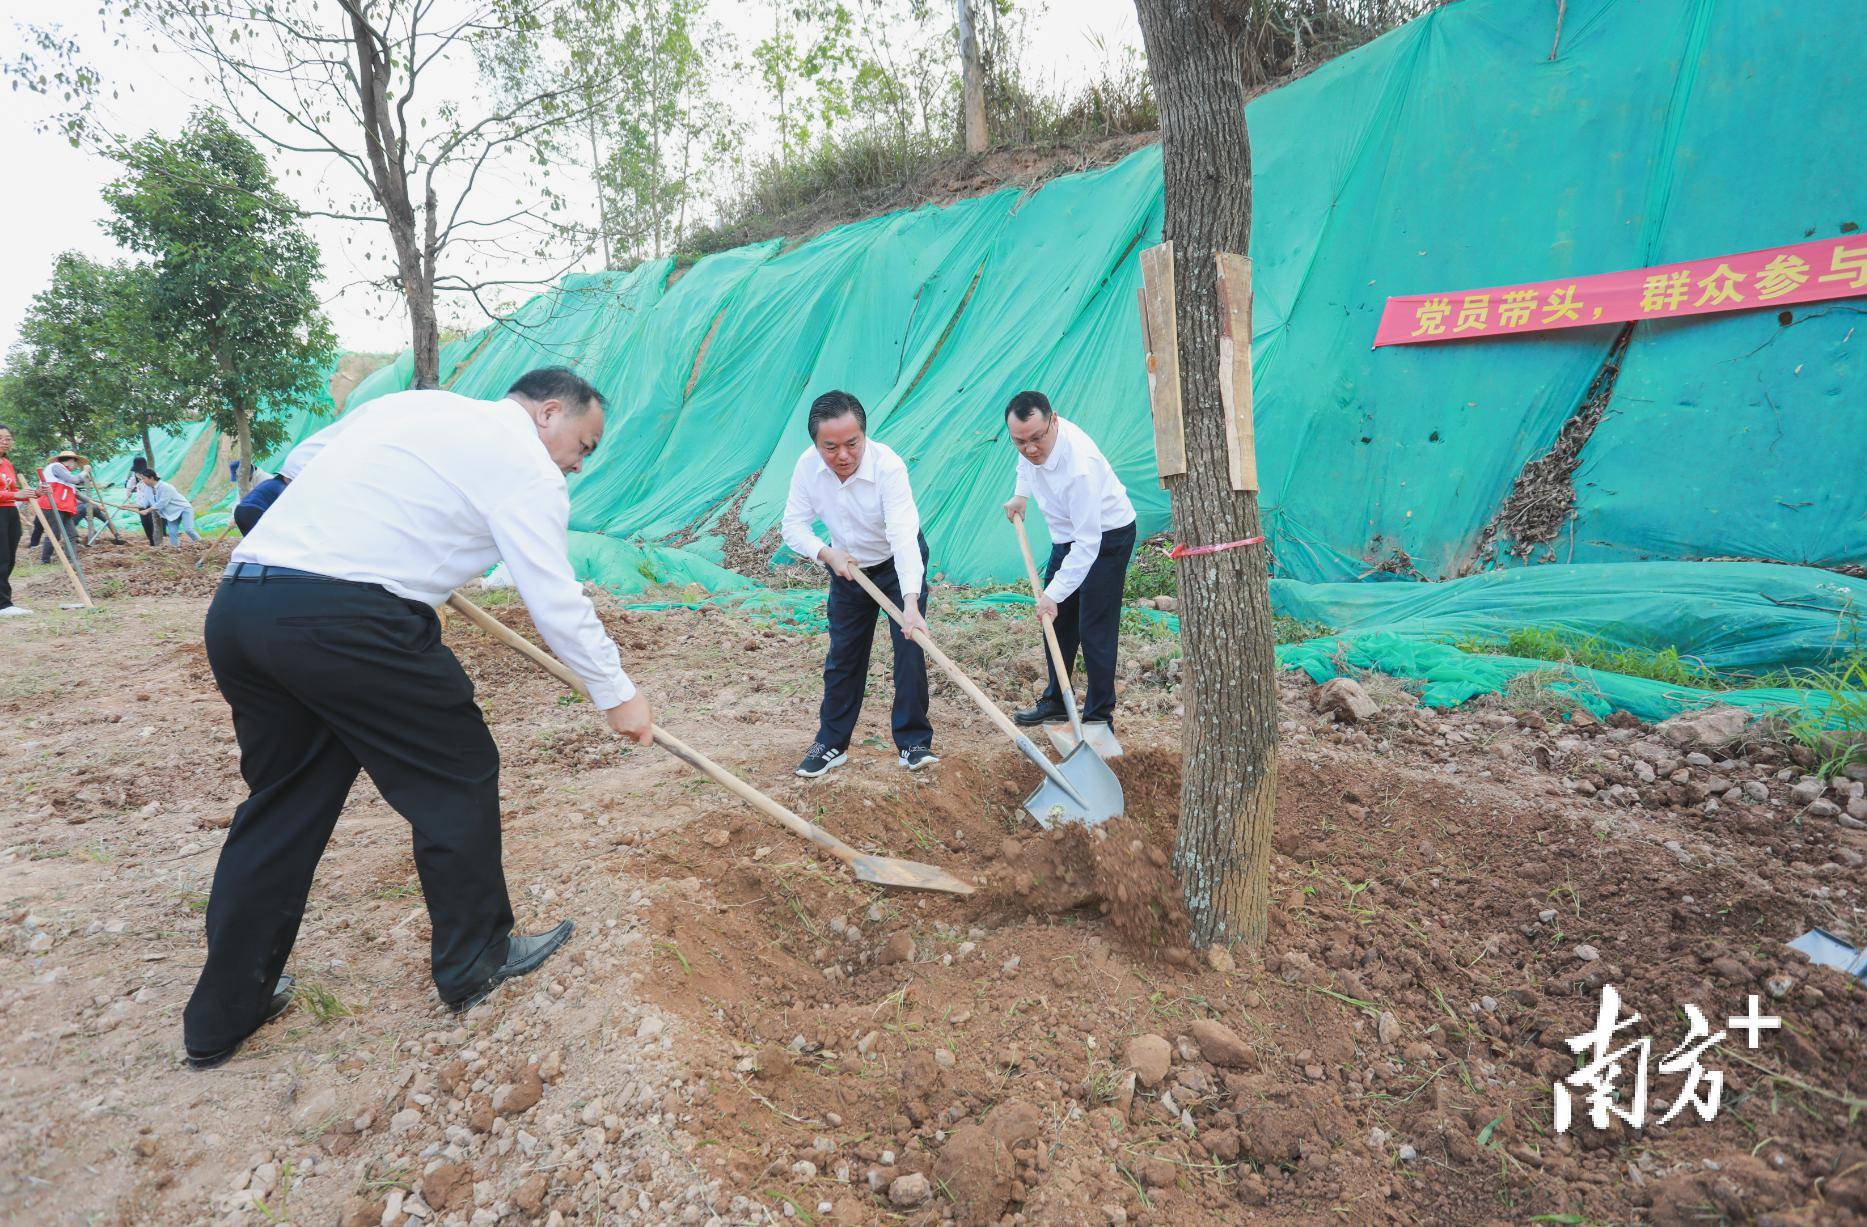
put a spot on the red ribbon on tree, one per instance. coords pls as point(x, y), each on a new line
point(1187, 551)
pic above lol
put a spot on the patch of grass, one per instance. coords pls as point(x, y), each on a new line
point(1836, 729)
point(320, 1001)
point(1296, 630)
point(1150, 571)
point(1656, 664)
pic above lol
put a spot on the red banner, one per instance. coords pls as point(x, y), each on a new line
point(1774, 277)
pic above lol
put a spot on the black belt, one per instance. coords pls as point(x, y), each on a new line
point(260, 573)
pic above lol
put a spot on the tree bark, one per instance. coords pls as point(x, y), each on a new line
point(972, 78)
point(243, 433)
point(389, 182)
point(596, 176)
point(149, 448)
point(1228, 790)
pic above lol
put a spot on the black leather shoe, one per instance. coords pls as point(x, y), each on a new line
point(1047, 711)
point(523, 955)
point(281, 1001)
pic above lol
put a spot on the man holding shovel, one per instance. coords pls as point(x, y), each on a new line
point(324, 640)
point(859, 489)
point(1092, 526)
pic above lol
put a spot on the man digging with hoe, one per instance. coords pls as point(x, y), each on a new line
point(323, 638)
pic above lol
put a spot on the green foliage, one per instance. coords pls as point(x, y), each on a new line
point(636, 113)
point(1836, 727)
point(893, 122)
point(1657, 664)
point(90, 370)
point(1150, 571)
point(1296, 630)
point(234, 274)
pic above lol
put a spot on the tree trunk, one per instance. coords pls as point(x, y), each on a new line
point(149, 448)
point(389, 180)
point(243, 433)
point(596, 175)
point(972, 78)
point(1228, 791)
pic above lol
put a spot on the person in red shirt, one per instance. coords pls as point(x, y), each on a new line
point(9, 526)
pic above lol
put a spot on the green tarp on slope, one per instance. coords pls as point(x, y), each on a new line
point(1452, 153)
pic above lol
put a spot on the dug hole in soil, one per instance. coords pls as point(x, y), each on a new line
point(740, 1032)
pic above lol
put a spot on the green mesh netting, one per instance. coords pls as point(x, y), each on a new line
point(1454, 152)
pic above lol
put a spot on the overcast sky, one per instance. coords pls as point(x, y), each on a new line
point(52, 202)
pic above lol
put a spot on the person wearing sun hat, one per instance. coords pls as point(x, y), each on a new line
point(58, 500)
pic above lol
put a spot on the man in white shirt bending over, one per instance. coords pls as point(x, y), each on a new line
point(324, 641)
point(859, 489)
point(1092, 527)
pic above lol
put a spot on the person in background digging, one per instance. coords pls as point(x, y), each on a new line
point(324, 641)
point(58, 502)
point(246, 515)
point(169, 506)
point(90, 506)
point(1092, 525)
point(859, 489)
point(131, 484)
point(9, 526)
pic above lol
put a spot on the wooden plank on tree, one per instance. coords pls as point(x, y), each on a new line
point(1241, 451)
point(1160, 337)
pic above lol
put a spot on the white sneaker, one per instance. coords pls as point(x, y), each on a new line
point(14, 611)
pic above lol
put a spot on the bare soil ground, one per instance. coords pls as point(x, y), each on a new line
point(741, 1033)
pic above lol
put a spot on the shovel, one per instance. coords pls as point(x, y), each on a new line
point(876, 870)
point(1079, 789)
point(1100, 738)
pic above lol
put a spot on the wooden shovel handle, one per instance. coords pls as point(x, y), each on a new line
point(953, 671)
point(666, 740)
point(58, 548)
point(517, 642)
point(1050, 631)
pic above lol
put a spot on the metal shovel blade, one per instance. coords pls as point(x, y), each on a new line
point(906, 875)
point(1092, 780)
point(1101, 739)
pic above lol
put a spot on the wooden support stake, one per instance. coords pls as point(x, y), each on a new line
point(59, 548)
point(1241, 451)
point(1160, 339)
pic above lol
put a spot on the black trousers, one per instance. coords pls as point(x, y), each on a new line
point(149, 525)
point(1090, 618)
point(60, 538)
point(9, 546)
point(852, 613)
point(324, 678)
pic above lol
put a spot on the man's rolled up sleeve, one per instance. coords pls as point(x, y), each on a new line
point(531, 529)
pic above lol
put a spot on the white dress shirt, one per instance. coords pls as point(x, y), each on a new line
point(420, 492)
point(871, 516)
point(1081, 498)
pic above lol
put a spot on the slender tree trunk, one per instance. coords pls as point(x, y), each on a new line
point(243, 428)
point(972, 78)
point(1228, 790)
point(149, 448)
point(389, 181)
point(596, 175)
